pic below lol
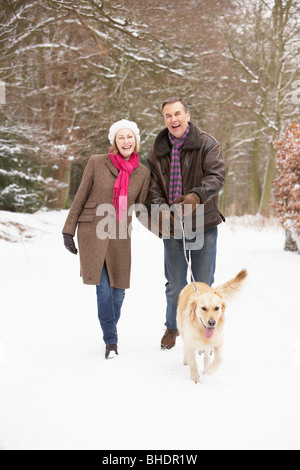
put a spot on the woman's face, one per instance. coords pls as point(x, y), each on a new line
point(126, 143)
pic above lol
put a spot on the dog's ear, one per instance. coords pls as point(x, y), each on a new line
point(193, 308)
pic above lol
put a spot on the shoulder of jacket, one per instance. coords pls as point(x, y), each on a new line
point(209, 140)
point(197, 136)
point(144, 169)
point(99, 158)
point(201, 141)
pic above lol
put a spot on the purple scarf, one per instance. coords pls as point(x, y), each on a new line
point(175, 175)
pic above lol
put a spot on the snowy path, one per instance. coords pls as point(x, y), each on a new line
point(57, 391)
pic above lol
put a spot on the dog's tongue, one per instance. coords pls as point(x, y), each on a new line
point(209, 332)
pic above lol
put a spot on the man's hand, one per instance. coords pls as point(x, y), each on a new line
point(70, 244)
point(190, 201)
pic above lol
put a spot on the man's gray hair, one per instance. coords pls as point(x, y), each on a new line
point(175, 100)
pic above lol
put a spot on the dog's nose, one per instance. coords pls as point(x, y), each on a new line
point(211, 323)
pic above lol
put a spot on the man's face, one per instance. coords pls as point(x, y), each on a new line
point(176, 119)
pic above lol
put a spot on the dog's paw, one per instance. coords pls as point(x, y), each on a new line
point(195, 378)
point(212, 369)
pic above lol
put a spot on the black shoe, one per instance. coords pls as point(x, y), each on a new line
point(111, 351)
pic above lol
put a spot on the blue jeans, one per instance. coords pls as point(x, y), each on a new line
point(110, 301)
point(203, 267)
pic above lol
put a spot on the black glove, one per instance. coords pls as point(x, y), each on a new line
point(69, 243)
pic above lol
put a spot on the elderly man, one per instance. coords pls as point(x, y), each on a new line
point(187, 168)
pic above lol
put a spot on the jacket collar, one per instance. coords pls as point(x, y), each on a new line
point(162, 145)
point(113, 169)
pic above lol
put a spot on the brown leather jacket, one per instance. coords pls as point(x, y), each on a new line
point(202, 168)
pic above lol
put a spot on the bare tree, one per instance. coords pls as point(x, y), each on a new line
point(76, 67)
point(263, 46)
point(72, 68)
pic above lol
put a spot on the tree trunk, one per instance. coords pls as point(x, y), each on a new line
point(255, 185)
point(290, 244)
point(63, 175)
point(265, 207)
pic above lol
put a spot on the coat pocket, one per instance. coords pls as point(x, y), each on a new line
point(90, 205)
point(88, 212)
point(86, 218)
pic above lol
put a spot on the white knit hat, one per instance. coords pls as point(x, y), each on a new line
point(124, 124)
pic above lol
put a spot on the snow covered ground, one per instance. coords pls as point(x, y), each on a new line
point(58, 392)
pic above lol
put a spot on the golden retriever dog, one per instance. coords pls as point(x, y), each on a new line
point(200, 321)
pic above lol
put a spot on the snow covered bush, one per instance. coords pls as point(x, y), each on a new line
point(18, 189)
point(26, 183)
point(287, 183)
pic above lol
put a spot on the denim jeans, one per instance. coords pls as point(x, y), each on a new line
point(203, 267)
point(110, 301)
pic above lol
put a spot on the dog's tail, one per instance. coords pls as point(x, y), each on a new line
point(228, 289)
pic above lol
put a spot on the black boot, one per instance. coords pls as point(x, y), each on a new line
point(111, 351)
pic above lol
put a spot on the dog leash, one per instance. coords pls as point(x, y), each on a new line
point(188, 262)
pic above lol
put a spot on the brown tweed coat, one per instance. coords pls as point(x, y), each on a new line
point(96, 189)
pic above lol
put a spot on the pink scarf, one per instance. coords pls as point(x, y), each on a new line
point(121, 186)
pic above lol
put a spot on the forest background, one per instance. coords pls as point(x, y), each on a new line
point(69, 69)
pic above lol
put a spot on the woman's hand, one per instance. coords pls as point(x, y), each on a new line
point(70, 244)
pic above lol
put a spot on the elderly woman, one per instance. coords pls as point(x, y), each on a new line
point(116, 180)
